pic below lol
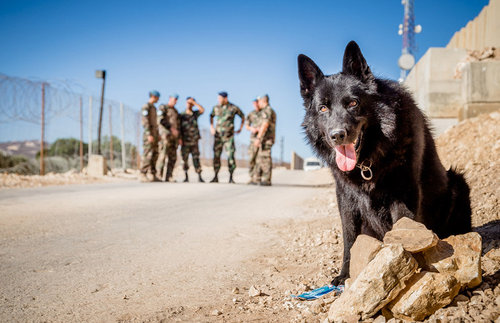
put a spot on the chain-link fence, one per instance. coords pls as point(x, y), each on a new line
point(52, 126)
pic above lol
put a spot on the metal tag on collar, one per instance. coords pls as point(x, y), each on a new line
point(366, 171)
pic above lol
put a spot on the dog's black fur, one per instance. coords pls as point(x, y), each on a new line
point(389, 131)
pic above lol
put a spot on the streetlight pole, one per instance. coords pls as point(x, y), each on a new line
point(100, 74)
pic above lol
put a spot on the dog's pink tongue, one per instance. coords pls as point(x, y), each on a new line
point(345, 157)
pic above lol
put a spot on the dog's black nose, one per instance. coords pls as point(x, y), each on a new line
point(338, 136)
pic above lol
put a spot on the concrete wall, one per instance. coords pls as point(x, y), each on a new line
point(483, 31)
point(297, 162)
point(432, 82)
point(480, 88)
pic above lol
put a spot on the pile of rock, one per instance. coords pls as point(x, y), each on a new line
point(409, 276)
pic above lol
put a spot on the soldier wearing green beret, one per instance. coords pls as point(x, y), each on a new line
point(223, 132)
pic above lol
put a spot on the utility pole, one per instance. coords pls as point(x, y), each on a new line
point(100, 74)
point(408, 30)
point(122, 122)
point(42, 139)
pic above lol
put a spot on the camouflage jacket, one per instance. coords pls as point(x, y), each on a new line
point(149, 121)
point(168, 118)
point(225, 118)
point(253, 120)
point(268, 114)
point(190, 133)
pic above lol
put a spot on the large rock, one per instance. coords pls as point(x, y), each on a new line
point(414, 236)
point(459, 256)
point(376, 285)
point(363, 251)
point(426, 293)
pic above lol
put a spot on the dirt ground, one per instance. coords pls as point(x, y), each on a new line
point(299, 253)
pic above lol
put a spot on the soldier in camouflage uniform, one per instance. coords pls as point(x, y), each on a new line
point(253, 125)
point(224, 133)
point(265, 141)
point(150, 139)
point(190, 134)
point(169, 125)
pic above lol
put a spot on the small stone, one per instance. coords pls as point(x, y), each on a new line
point(236, 290)
point(363, 251)
point(414, 236)
point(457, 255)
point(253, 291)
point(460, 298)
point(379, 319)
point(425, 293)
point(216, 313)
point(375, 286)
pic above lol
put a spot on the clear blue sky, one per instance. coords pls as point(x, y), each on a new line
point(198, 48)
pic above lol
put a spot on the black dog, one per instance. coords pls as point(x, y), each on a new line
point(381, 153)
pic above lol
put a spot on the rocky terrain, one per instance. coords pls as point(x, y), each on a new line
point(310, 252)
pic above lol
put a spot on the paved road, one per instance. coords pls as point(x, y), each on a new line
point(104, 252)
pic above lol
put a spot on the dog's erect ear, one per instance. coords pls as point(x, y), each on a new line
point(355, 64)
point(309, 75)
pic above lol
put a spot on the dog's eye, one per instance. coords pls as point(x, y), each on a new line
point(353, 104)
point(323, 108)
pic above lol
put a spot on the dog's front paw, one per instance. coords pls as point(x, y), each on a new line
point(339, 280)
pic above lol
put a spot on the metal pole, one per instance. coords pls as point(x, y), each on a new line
point(138, 156)
point(110, 138)
point(42, 162)
point(282, 150)
point(122, 122)
point(100, 114)
point(81, 135)
point(90, 127)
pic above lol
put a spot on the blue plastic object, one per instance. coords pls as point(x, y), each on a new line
point(318, 292)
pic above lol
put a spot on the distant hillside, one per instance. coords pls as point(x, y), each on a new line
point(28, 148)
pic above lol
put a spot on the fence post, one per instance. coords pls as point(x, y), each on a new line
point(42, 162)
point(90, 127)
point(138, 155)
point(110, 138)
point(122, 122)
point(81, 135)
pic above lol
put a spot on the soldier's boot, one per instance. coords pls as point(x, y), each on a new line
point(265, 183)
point(143, 178)
point(200, 179)
point(231, 178)
point(156, 179)
point(187, 178)
point(169, 178)
point(215, 179)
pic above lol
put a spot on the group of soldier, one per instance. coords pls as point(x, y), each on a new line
point(166, 129)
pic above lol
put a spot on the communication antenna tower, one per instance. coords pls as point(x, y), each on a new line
point(408, 29)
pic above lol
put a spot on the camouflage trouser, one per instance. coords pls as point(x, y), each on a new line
point(149, 157)
point(252, 158)
point(168, 149)
point(264, 165)
point(228, 145)
point(195, 154)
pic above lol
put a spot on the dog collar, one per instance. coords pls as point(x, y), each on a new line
point(366, 171)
